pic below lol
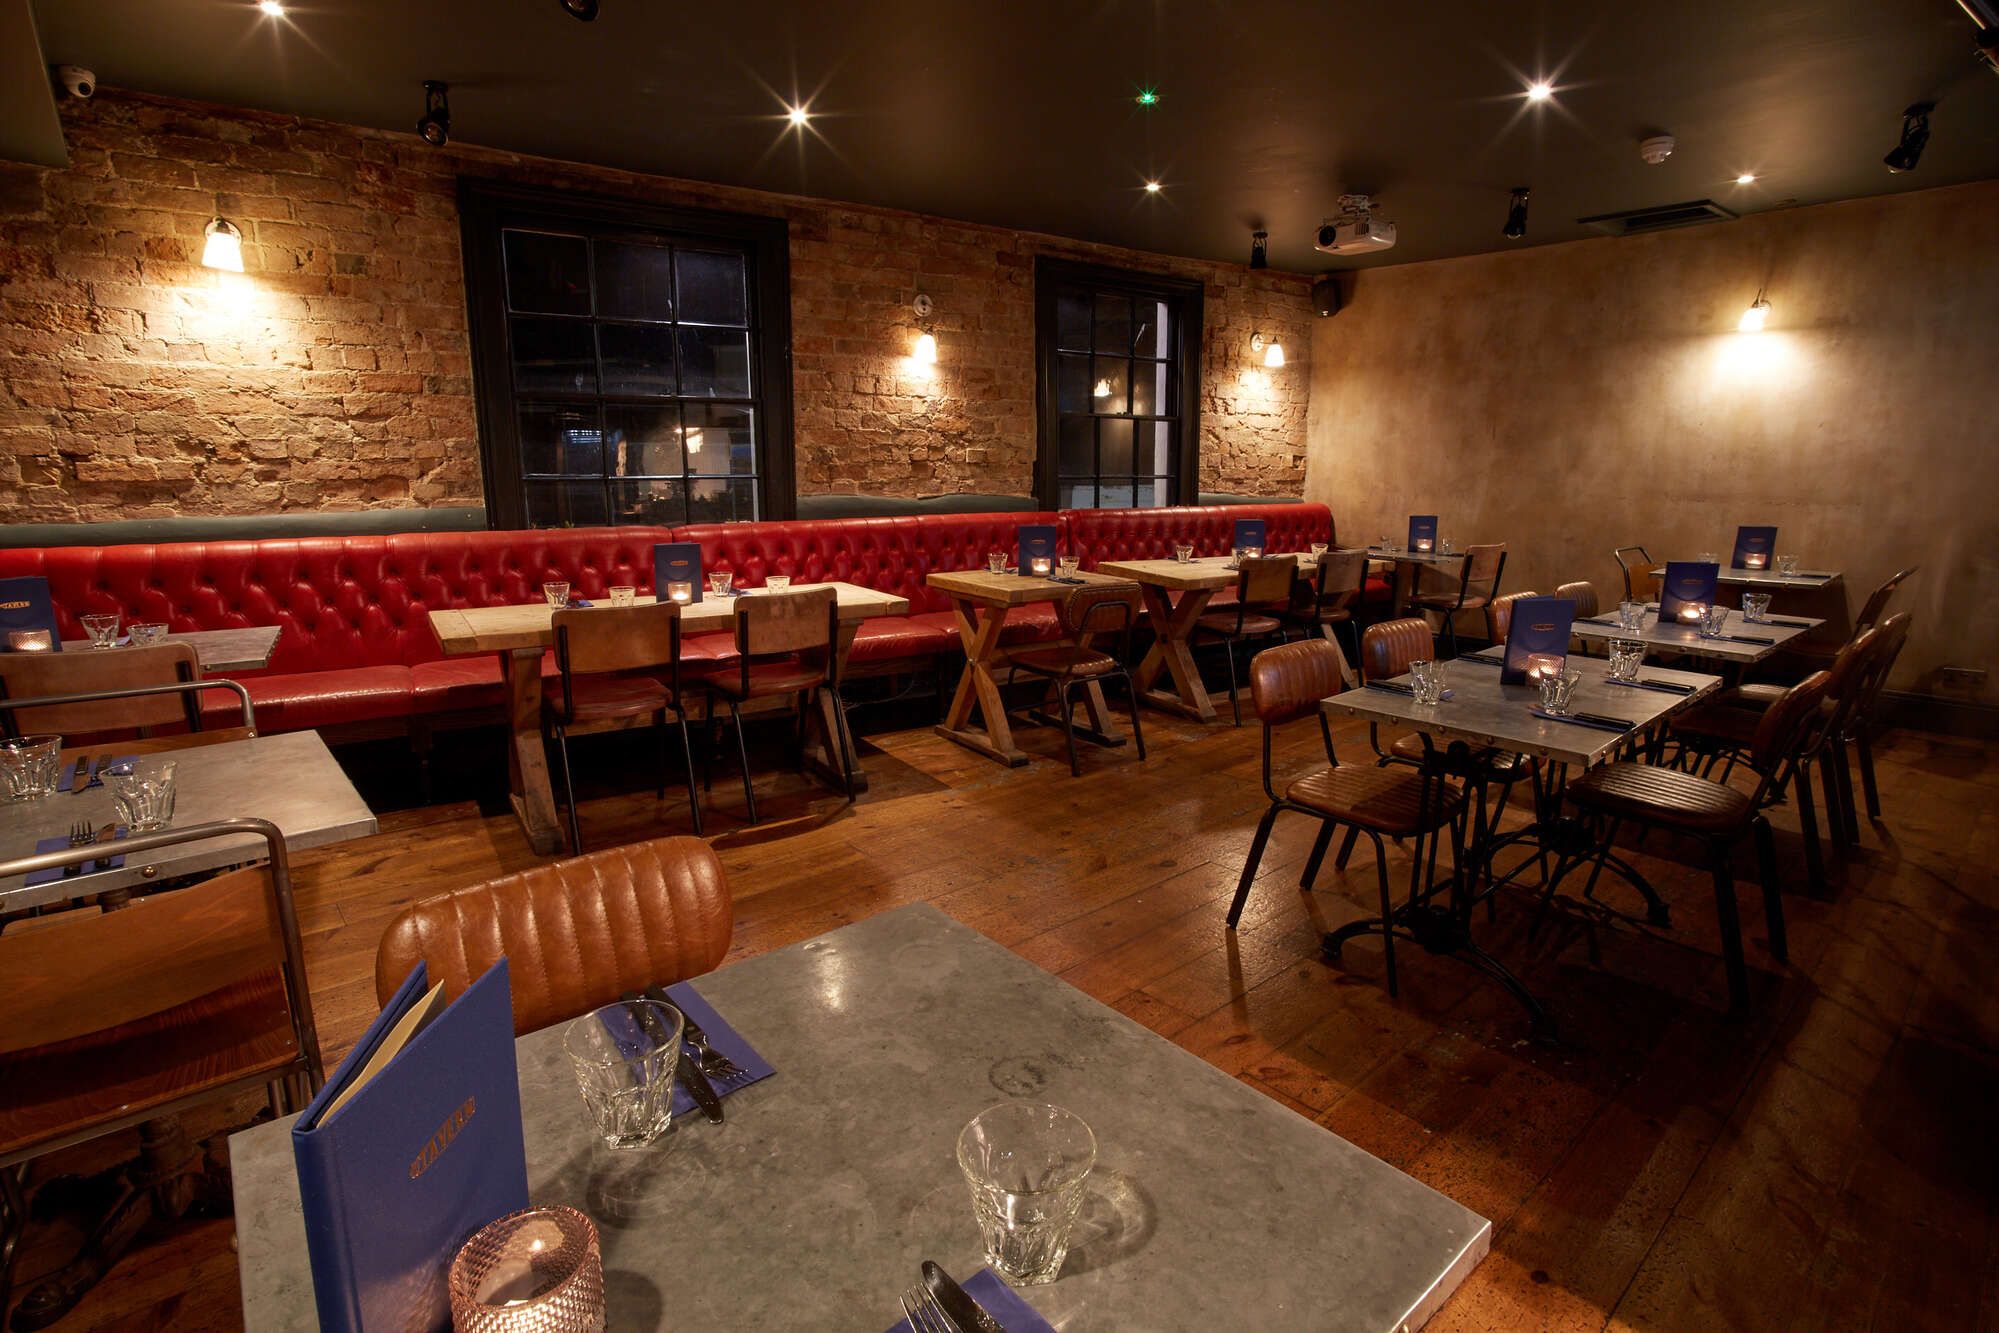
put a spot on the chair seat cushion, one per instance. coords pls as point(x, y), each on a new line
point(310, 699)
point(1386, 800)
point(1224, 622)
point(1758, 696)
point(1449, 601)
point(599, 698)
point(227, 1035)
point(1664, 796)
point(1059, 659)
point(766, 679)
point(886, 638)
point(1717, 725)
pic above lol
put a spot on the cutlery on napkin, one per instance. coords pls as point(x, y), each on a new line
point(1597, 720)
point(1664, 686)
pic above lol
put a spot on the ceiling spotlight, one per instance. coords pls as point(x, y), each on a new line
point(1152, 187)
point(1259, 249)
point(1540, 92)
point(1753, 318)
point(435, 124)
point(580, 9)
point(1516, 216)
point(223, 245)
point(273, 8)
point(1147, 97)
point(797, 115)
point(1746, 178)
point(1915, 135)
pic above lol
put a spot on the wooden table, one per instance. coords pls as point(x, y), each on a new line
point(521, 634)
point(215, 650)
point(981, 601)
point(1687, 639)
point(1407, 564)
point(1211, 1206)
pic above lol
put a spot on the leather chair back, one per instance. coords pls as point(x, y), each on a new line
point(1499, 615)
point(1387, 648)
point(1287, 682)
point(1582, 594)
point(88, 670)
point(1785, 727)
point(1100, 608)
point(1877, 601)
point(1894, 632)
point(576, 934)
point(1482, 565)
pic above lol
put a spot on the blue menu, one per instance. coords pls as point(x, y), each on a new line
point(1686, 583)
point(1037, 542)
point(25, 604)
point(676, 562)
point(1537, 640)
point(1755, 548)
point(1249, 532)
point(426, 1149)
point(1422, 530)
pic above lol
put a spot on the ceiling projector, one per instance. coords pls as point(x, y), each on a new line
point(1355, 232)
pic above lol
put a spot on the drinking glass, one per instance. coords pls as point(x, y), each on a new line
point(143, 791)
point(556, 593)
point(540, 1269)
point(1318, 549)
point(28, 767)
point(1631, 615)
point(622, 595)
point(1427, 678)
point(1755, 605)
point(626, 1078)
point(995, 562)
point(1026, 1163)
point(103, 630)
point(1444, 546)
point(1067, 565)
point(144, 635)
point(1787, 565)
point(720, 581)
point(1387, 543)
point(1714, 619)
point(1707, 558)
point(1557, 690)
point(1626, 655)
point(1183, 551)
point(777, 583)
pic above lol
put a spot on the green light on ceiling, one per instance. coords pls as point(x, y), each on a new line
point(1148, 97)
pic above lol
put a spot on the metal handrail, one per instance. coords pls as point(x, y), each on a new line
point(138, 691)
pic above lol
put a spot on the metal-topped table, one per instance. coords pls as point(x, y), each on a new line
point(1211, 1206)
point(1738, 649)
point(246, 649)
point(1407, 564)
point(1769, 580)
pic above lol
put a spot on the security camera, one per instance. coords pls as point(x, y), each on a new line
point(1329, 235)
point(77, 81)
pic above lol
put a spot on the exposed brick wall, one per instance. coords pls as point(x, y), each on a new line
point(335, 374)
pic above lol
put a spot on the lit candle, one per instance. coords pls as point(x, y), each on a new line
point(1691, 612)
point(1041, 565)
point(30, 641)
point(1422, 543)
point(1252, 552)
point(680, 592)
point(1544, 664)
point(1754, 560)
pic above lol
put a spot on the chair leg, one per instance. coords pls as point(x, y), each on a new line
point(1844, 773)
point(1731, 930)
point(1346, 848)
point(1835, 809)
point(709, 744)
point(1319, 846)
point(569, 792)
point(665, 759)
point(13, 1222)
point(1773, 898)
point(1387, 908)
point(1064, 696)
point(1235, 704)
point(687, 758)
point(1451, 634)
point(1808, 825)
point(743, 757)
point(1866, 749)
point(844, 738)
point(1137, 732)
point(1249, 866)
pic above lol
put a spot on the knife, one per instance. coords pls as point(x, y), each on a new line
point(97, 767)
point(82, 778)
point(108, 833)
point(1664, 686)
point(1745, 638)
point(1390, 687)
point(689, 1072)
point(965, 1312)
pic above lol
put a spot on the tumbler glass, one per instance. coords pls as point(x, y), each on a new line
point(777, 583)
point(1713, 621)
point(557, 594)
point(1631, 615)
point(996, 562)
point(1787, 565)
point(28, 767)
point(1427, 679)
point(1025, 1163)
point(145, 635)
point(1067, 566)
point(103, 630)
point(540, 1269)
point(1183, 551)
point(143, 791)
point(1556, 692)
point(623, 594)
point(1707, 558)
point(624, 1067)
point(1755, 605)
point(720, 582)
point(1626, 655)
point(1318, 549)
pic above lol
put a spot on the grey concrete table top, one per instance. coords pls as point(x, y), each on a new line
point(1806, 579)
point(1687, 639)
point(290, 779)
point(1211, 1206)
point(246, 649)
point(1482, 711)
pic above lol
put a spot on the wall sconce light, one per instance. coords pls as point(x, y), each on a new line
point(1259, 248)
point(223, 246)
point(925, 352)
point(1270, 349)
point(1754, 317)
point(926, 349)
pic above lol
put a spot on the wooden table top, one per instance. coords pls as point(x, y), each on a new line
point(247, 649)
point(1482, 711)
point(1403, 556)
point(978, 585)
point(1208, 571)
point(1770, 578)
point(494, 629)
point(1688, 639)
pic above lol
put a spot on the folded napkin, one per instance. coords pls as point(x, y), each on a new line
point(1664, 686)
point(1482, 660)
point(1746, 638)
point(997, 1299)
point(60, 842)
point(68, 778)
point(1780, 620)
point(576, 603)
point(1055, 579)
point(1408, 691)
point(625, 1031)
point(1596, 720)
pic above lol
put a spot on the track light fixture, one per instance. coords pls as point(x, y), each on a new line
point(435, 124)
point(1516, 216)
point(1259, 248)
point(1915, 135)
point(580, 9)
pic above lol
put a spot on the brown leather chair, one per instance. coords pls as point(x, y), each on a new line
point(101, 671)
point(1477, 584)
point(1809, 654)
point(1712, 812)
point(1286, 684)
point(1090, 612)
point(786, 644)
point(1582, 594)
point(1640, 583)
point(608, 660)
point(576, 934)
point(1499, 615)
point(1263, 592)
point(1324, 603)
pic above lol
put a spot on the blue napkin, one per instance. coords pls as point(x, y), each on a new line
point(1664, 686)
point(626, 1033)
point(68, 777)
point(997, 1299)
point(1573, 720)
point(60, 842)
point(574, 604)
point(1406, 692)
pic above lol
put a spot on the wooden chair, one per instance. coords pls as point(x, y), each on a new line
point(1326, 603)
point(1090, 612)
point(607, 659)
point(1640, 583)
point(244, 730)
point(1582, 594)
point(1809, 654)
point(1712, 812)
point(105, 672)
point(109, 1019)
point(576, 934)
point(1263, 590)
point(786, 644)
point(1286, 684)
point(1499, 615)
point(1477, 585)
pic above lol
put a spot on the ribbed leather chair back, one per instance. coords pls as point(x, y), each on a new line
point(1387, 649)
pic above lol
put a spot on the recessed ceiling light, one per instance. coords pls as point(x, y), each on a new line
point(797, 115)
point(1152, 187)
point(1746, 178)
point(274, 8)
point(1540, 92)
point(1148, 97)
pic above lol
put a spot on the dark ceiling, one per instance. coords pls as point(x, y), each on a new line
point(1023, 113)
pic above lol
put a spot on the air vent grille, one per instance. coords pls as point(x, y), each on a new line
point(1638, 221)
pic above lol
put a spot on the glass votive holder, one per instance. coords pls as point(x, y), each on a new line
point(1026, 1164)
point(1787, 565)
point(28, 767)
point(1714, 619)
point(1540, 666)
point(30, 641)
point(1754, 560)
point(1249, 553)
point(540, 1270)
point(1707, 558)
point(777, 583)
point(1626, 655)
point(102, 629)
point(623, 594)
point(1318, 549)
point(1423, 545)
point(1631, 615)
point(1557, 690)
point(624, 1056)
point(556, 593)
point(720, 582)
point(143, 791)
point(1068, 565)
point(147, 634)
point(680, 591)
point(1755, 605)
point(1693, 614)
point(1426, 679)
point(1040, 566)
point(1183, 552)
point(995, 562)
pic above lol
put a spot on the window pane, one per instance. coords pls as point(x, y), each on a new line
point(1076, 495)
point(1152, 337)
point(1107, 386)
point(1155, 447)
point(1153, 492)
point(719, 501)
point(643, 441)
point(656, 501)
point(1072, 322)
point(1072, 384)
point(565, 504)
point(721, 439)
point(1148, 388)
point(1114, 442)
point(554, 356)
point(634, 281)
point(1114, 493)
point(547, 275)
point(712, 288)
point(714, 363)
point(1113, 324)
point(563, 441)
point(638, 359)
point(1077, 456)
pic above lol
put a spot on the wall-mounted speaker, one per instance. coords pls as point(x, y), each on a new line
point(1326, 296)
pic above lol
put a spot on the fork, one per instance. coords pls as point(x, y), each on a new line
point(925, 1315)
point(717, 1066)
point(81, 834)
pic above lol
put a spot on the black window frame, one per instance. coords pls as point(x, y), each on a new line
point(487, 208)
point(1183, 296)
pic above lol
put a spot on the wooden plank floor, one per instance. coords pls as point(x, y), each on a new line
point(1827, 1162)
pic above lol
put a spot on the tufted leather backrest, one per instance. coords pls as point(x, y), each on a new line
point(1499, 615)
point(1096, 535)
point(1287, 682)
point(576, 934)
point(1582, 594)
point(1387, 648)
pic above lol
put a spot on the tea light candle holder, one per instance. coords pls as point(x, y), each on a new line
point(1691, 613)
point(1423, 544)
point(1040, 566)
point(540, 1270)
point(30, 641)
point(1755, 560)
point(1252, 553)
point(1544, 665)
point(680, 592)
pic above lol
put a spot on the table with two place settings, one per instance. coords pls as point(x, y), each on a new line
point(1819, 593)
point(1742, 642)
point(1409, 565)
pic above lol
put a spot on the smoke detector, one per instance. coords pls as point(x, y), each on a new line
point(1356, 231)
point(1657, 148)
